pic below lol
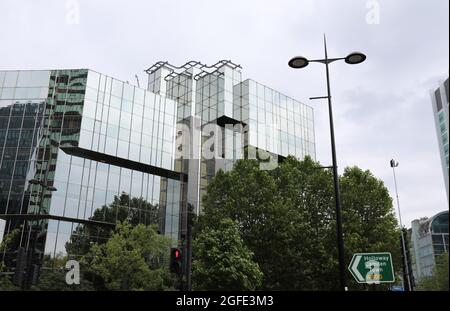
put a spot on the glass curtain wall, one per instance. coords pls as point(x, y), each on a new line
point(56, 130)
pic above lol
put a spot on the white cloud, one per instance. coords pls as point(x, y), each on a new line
point(381, 107)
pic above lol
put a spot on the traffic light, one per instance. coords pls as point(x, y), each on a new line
point(176, 261)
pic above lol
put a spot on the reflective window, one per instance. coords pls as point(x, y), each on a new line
point(139, 95)
point(128, 92)
point(10, 79)
point(115, 102)
point(7, 93)
point(112, 131)
point(127, 105)
point(125, 120)
point(117, 87)
point(124, 135)
point(111, 146)
point(93, 79)
point(91, 94)
point(114, 116)
point(440, 224)
point(134, 152)
point(135, 137)
point(137, 123)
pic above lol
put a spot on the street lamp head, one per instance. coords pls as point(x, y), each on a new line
point(393, 163)
point(34, 182)
point(298, 62)
point(355, 58)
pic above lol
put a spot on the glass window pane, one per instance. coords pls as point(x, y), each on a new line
point(139, 96)
point(114, 116)
point(93, 79)
point(117, 87)
point(124, 135)
point(127, 105)
point(125, 120)
point(111, 146)
point(10, 78)
point(115, 102)
point(128, 91)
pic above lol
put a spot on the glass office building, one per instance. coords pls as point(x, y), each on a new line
point(250, 120)
point(440, 100)
point(429, 237)
point(80, 150)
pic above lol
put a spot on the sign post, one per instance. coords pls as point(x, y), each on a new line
point(372, 268)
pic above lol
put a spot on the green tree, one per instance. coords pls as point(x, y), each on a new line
point(52, 276)
point(6, 284)
point(55, 280)
point(5, 281)
point(306, 191)
point(281, 215)
point(222, 261)
point(122, 208)
point(439, 280)
point(369, 222)
point(133, 258)
point(286, 217)
point(248, 196)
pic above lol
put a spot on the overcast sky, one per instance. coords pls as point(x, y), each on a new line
point(382, 107)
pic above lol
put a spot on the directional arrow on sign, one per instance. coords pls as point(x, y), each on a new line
point(372, 268)
point(354, 269)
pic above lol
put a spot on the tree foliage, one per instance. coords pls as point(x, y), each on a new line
point(122, 208)
point(5, 281)
point(286, 217)
point(6, 284)
point(222, 261)
point(55, 280)
point(439, 280)
point(369, 222)
point(133, 258)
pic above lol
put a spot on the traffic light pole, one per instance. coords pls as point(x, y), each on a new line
point(188, 271)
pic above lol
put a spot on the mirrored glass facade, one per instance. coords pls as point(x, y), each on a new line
point(77, 149)
point(277, 123)
point(80, 150)
point(270, 121)
point(22, 104)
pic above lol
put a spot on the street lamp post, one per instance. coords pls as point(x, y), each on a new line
point(405, 259)
point(352, 59)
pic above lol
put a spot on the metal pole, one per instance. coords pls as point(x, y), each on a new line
point(189, 251)
point(405, 260)
point(336, 182)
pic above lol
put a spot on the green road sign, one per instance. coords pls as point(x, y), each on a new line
point(372, 268)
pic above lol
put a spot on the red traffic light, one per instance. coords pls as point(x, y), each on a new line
point(176, 254)
point(176, 260)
